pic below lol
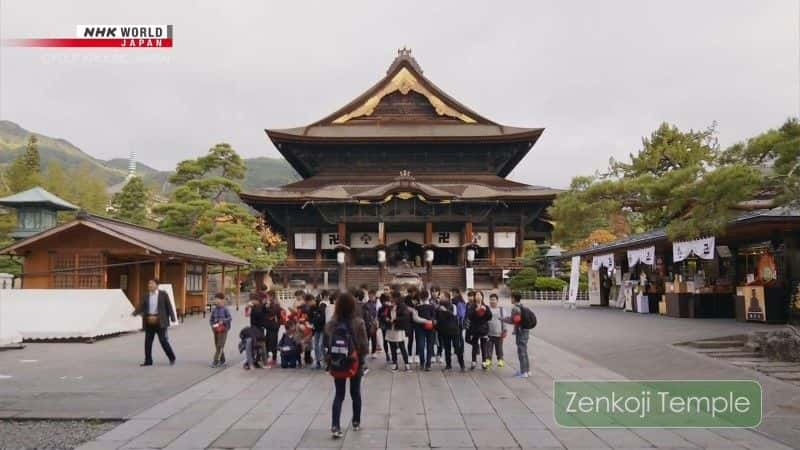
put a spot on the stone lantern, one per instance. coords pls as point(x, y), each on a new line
point(37, 211)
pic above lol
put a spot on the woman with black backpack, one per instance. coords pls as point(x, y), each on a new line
point(450, 332)
point(347, 348)
point(478, 316)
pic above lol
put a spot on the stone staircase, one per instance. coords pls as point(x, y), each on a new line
point(736, 351)
point(357, 276)
point(448, 277)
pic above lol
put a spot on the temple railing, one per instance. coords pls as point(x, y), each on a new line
point(308, 264)
point(505, 263)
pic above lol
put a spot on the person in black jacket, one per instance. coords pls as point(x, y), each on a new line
point(384, 322)
point(424, 337)
point(478, 316)
point(449, 332)
point(399, 320)
point(156, 311)
point(258, 324)
point(411, 300)
point(316, 316)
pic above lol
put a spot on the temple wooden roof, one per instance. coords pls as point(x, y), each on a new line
point(403, 104)
point(402, 108)
point(376, 188)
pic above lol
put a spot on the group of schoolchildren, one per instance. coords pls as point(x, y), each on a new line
point(439, 323)
point(435, 323)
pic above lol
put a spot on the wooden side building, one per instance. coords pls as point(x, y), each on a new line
point(93, 252)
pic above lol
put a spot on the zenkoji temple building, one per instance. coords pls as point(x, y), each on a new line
point(401, 175)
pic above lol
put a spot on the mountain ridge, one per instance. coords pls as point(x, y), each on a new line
point(261, 171)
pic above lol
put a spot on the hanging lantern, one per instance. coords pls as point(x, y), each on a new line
point(471, 254)
point(381, 256)
point(340, 257)
point(429, 256)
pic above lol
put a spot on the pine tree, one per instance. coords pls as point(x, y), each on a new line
point(25, 172)
point(204, 205)
point(130, 204)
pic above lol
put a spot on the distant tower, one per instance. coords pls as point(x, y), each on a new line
point(132, 165)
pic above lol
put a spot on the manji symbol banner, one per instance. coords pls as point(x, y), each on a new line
point(661, 404)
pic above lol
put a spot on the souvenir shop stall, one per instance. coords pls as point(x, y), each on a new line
point(751, 272)
point(761, 288)
point(700, 283)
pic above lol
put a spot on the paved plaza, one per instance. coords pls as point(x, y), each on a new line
point(190, 406)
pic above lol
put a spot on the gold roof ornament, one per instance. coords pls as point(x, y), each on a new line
point(404, 82)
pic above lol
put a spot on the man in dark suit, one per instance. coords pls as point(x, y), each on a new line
point(156, 311)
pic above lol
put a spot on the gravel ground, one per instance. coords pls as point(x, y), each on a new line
point(50, 434)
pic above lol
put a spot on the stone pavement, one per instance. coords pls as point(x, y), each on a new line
point(103, 380)
point(640, 346)
point(290, 408)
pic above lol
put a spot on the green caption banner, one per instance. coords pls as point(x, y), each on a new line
point(678, 404)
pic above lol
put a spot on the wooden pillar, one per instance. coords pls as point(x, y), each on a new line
point(428, 233)
point(492, 254)
point(205, 283)
point(157, 269)
point(318, 247)
point(75, 270)
point(222, 282)
point(135, 283)
point(520, 250)
point(104, 263)
point(238, 286)
point(182, 287)
point(467, 233)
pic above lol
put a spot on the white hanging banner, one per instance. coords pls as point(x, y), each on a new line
point(645, 255)
point(505, 239)
point(400, 236)
point(447, 239)
point(574, 278)
point(305, 241)
point(481, 238)
point(702, 248)
point(363, 239)
point(330, 240)
point(606, 260)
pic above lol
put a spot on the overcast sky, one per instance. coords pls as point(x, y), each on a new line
point(598, 75)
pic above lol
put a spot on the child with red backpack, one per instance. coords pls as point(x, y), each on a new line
point(347, 349)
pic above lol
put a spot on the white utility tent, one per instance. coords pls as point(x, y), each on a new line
point(64, 314)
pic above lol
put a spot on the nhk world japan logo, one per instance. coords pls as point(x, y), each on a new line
point(105, 36)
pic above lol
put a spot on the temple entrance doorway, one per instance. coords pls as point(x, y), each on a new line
point(405, 254)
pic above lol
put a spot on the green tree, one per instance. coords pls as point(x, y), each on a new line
point(25, 171)
point(87, 191)
point(56, 180)
point(776, 152)
point(204, 205)
point(677, 180)
point(130, 204)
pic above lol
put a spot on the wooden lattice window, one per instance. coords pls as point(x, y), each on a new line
point(194, 277)
point(92, 276)
point(78, 271)
point(63, 271)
